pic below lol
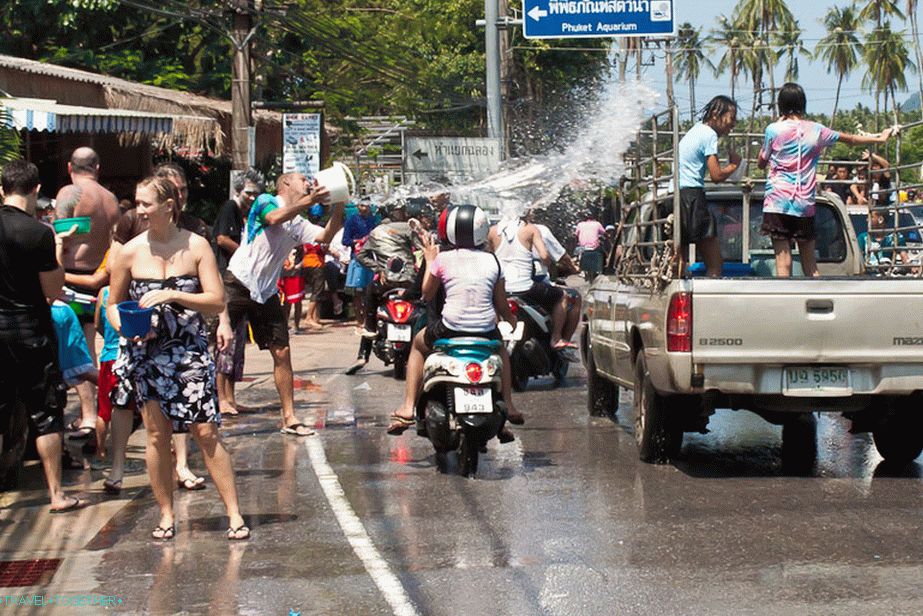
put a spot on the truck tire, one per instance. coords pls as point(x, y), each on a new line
point(658, 434)
point(602, 394)
point(799, 444)
point(899, 438)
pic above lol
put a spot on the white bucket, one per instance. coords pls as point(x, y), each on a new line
point(338, 179)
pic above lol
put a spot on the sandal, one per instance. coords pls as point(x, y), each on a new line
point(517, 420)
point(196, 483)
point(74, 506)
point(233, 533)
point(399, 425)
point(112, 487)
point(164, 534)
point(293, 430)
point(81, 434)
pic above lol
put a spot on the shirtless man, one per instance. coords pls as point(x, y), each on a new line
point(83, 255)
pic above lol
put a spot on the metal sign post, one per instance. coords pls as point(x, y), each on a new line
point(602, 18)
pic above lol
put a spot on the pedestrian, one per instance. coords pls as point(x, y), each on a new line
point(30, 272)
point(169, 372)
point(82, 258)
point(336, 262)
point(698, 154)
point(355, 231)
point(292, 285)
point(790, 150)
point(228, 230)
point(274, 227)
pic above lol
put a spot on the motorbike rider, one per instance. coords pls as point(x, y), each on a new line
point(564, 265)
point(512, 240)
point(388, 252)
point(474, 297)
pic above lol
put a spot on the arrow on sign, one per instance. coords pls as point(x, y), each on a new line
point(420, 154)
point(537, 13)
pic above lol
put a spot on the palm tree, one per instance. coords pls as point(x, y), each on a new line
point(9, 138)
point(689, 59)
point(876, 11)
point(888, 61)
point(790, 44)
point(839, 49)
point(763, 18)
point(727, 37)
point(910, 8)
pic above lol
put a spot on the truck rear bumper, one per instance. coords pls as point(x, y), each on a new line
point(882, 379)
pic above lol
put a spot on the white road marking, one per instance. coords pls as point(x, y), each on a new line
point(388, 583)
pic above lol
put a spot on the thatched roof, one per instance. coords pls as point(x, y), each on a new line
point(199, 121)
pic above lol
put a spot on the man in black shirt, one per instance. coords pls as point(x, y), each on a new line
point(841, 190)
point(30, 273)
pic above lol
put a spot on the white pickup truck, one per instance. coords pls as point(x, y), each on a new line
point(846, 342)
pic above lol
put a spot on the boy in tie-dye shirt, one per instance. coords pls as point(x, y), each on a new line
point(791, 149)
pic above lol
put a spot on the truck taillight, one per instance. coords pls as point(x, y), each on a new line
point(679, 324)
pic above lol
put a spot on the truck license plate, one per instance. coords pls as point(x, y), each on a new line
point(398, 333)
point(817, 381)
point(473, 400)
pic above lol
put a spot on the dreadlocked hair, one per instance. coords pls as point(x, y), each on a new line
point(717, 107)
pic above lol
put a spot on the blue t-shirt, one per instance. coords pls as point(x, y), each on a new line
point(110, 337)
point(694, 149)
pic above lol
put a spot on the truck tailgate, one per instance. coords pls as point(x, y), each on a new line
point(773, 321)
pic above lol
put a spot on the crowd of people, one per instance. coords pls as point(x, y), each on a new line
point(209, 290)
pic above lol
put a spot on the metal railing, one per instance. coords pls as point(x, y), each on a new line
point(651, 213)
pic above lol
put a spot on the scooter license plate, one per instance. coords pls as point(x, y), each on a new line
point(473, 400)
point(398, 333)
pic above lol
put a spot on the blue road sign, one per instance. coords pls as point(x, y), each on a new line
point(597, 18)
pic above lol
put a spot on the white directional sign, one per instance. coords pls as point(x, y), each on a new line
point(597, 18)
point(453, 157)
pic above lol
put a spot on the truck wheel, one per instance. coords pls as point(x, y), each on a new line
point(799, 444)
point(899, 439)
point(602, 394)
point(657, 432)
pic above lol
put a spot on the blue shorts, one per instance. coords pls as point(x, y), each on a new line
point(73, 354)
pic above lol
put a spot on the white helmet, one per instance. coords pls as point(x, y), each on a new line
point(466, 226)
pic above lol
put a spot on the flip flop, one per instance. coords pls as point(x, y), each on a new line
point(232, 533)
point(399, 425)
point(112, 487)
point(166, 534)
point(77, 504)
point(191, 484)
point(81, 434)
point(292, 430)
point(516, 420)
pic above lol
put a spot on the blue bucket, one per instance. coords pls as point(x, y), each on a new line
point(136, 321)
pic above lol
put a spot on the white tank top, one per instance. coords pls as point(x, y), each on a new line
point(515, 258)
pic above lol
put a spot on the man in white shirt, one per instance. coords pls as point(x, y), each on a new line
point(274, 227)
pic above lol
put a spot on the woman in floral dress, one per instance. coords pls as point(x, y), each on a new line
point(169, 372)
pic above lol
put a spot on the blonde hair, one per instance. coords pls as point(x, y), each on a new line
point(164, 189)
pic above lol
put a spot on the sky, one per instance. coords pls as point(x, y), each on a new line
point(819, 85)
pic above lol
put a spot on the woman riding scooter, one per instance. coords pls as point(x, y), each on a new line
point(475, 296)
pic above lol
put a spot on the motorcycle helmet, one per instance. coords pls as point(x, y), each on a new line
point(466, 226)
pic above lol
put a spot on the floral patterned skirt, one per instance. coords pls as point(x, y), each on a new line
point(174, 367)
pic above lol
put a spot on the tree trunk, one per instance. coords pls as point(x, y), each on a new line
point(914, 28)
point(733, 75)
point(836, 101)
point(692, 100)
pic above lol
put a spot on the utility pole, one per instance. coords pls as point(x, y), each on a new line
point(241, 116)
point(505, 80)
point(492, 49)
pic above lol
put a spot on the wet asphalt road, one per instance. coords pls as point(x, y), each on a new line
point(566, 520)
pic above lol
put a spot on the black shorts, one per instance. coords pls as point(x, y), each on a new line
point(30, 375)
point(315, 281)
point(437, 330)
point(267, 321)
point(785, 227)
point(698, 222)
point(542, 294)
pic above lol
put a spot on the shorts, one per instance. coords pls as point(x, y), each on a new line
point(542, 294)
point(698, 222)
point(107, 383)
point(785, 227)
point(292, 288)
point(74, 358)
point(438, 330)
point(267, 321)
point(316, 282)
point(30, 374)
point(82, 300)
point(231, 362)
